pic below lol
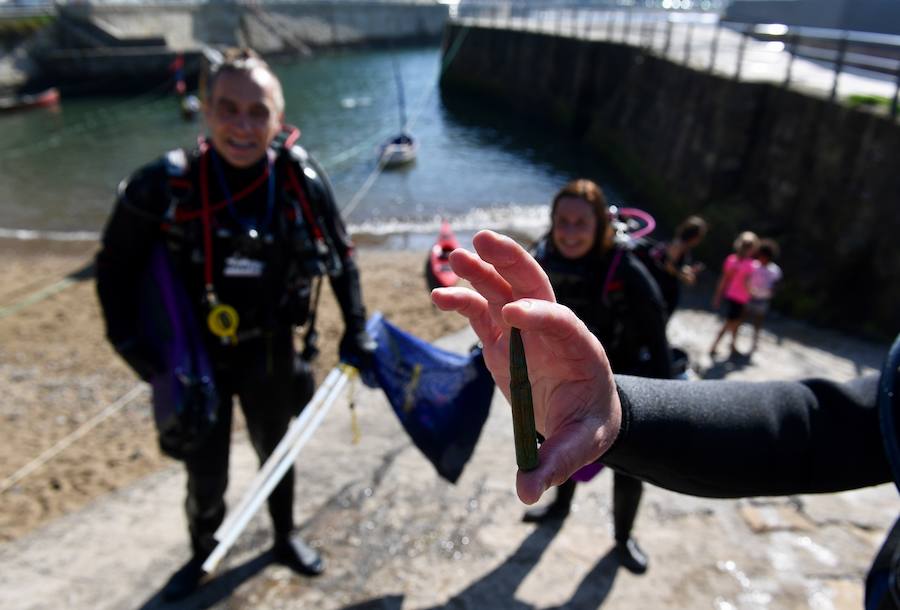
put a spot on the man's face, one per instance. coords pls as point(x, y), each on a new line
point(243, 116)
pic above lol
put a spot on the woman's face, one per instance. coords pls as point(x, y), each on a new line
point(574, 227)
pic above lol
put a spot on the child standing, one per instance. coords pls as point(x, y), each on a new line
point(766, 273)
point(734, 285)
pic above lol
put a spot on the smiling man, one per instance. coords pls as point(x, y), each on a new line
point(246, 225)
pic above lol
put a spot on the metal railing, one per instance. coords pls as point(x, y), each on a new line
point(841, 49)
point(807, 58)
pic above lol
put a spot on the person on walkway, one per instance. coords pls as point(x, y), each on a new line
point(766, 273)
point(734, 286)
point(249, 221)
point(720, 439)
point(678, 263)
point(612, 291)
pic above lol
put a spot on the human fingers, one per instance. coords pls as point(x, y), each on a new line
point(472, 306)
point(518, 268)
point(557, 326)
point(482, 275)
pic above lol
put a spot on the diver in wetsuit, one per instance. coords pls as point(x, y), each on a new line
point(250, 223)
point(611, 291)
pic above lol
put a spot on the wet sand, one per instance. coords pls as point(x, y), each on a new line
point(57, 372)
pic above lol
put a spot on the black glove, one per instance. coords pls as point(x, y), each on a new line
point(140, 362)
point(357, 349)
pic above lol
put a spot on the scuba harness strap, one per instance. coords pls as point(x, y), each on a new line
point(223, 319)
point(610, 274)
point(311, 336)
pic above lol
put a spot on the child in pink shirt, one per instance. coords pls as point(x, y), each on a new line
point(734, 284)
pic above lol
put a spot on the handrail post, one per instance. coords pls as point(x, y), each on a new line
point(745, 33)
point(687, 44)
point(714, 49)
point(645, 38)
point(792, 51)
point(668, 41)
point(627, 33)
point(896, 94)
point(838, 66)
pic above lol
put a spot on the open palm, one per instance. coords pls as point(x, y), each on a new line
point(575, 402)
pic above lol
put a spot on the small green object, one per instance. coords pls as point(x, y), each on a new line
point(522, 406)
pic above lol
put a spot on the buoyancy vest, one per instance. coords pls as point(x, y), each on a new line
point(595, 289)
point(265, 271)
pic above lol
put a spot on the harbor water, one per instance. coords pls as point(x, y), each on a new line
point(478, 166)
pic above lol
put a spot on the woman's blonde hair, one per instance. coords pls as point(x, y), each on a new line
point(746, 243)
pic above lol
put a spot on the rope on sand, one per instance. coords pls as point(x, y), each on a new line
point(67, 441)
point(37, 296)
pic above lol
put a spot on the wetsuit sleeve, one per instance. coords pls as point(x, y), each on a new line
point(128, 238)
point(346, 285)
point(728, 439)
point(648, 312)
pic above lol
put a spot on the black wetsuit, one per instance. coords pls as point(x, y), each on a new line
point(728, 439)
point(264, 259)
point(655, 256)
point(618, 300)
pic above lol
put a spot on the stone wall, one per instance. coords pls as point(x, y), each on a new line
point(819, 178)
point(126, 47)
point(317, 23)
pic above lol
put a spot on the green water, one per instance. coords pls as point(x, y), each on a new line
point(60, 167)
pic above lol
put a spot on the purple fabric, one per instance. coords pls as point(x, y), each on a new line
point(586, 473)
point(184, 396)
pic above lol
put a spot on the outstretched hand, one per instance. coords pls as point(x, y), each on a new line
point(576, 406)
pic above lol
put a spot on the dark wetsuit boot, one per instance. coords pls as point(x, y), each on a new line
point(627, 492)
point(185, 581)
point(558, 509)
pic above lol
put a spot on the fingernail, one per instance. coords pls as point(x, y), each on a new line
point(525, 304)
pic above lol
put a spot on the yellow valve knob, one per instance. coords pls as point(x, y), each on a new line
point(223, 322)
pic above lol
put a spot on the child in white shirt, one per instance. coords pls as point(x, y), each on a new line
point(762, 282)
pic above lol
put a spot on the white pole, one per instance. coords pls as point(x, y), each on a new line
point(277, 454)
point(240, 521)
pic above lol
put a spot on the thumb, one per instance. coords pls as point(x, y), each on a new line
point(563, 453)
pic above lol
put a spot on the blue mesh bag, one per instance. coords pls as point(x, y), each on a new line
point(441, 398)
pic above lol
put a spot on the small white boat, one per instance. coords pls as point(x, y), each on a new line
point(399, 150)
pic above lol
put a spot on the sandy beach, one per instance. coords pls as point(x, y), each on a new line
point(57, 372)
